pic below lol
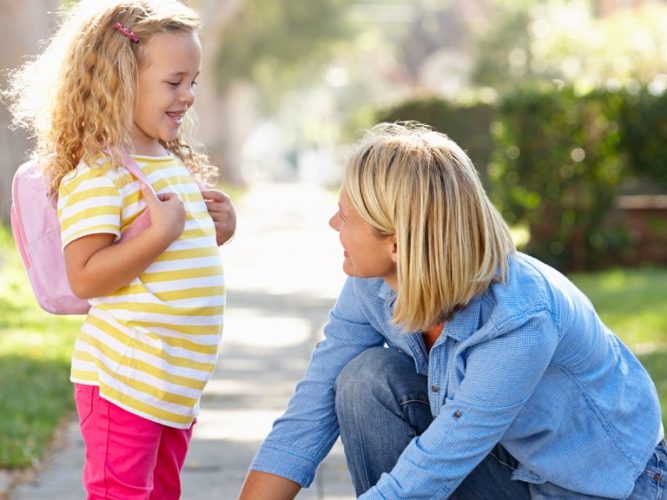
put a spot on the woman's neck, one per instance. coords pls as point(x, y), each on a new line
point(432, 334)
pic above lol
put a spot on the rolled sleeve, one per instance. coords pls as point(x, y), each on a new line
point(305, 433)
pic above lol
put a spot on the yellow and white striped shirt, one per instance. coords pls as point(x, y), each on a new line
point(152, 345)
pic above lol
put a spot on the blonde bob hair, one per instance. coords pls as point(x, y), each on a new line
point(409, 181)
point(78, 96)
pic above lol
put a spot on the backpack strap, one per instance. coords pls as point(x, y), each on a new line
point(131, 165)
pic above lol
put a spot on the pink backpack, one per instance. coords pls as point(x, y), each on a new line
point(36, 231)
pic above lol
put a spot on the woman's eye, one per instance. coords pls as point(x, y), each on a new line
point(174, 84)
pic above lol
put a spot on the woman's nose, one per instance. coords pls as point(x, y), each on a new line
point(334, 221)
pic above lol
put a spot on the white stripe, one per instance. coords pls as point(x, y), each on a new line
point(72, 209)
point(90, 222)
point(174, 285)
point(186, 263)
point(149, 359)
point(190, 243)
point(189, 302)
point(144, 397)
point(214, 320)
point(84, 366)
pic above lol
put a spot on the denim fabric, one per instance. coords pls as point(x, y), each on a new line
point(527, 365)
point(379, 418)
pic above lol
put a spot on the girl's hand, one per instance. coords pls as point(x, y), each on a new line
point(223, 214)
point(167, 213)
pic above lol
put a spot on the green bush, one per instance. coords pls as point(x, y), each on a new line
point(553, 161)
point(556, 169)
point(468, 125)
point(643, 129)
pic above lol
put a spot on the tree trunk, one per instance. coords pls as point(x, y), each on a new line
point(22, 25)
point(225, 118)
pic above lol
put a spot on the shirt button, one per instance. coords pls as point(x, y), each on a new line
point(435, 388)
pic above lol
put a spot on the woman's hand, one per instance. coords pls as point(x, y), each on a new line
point(223, 214)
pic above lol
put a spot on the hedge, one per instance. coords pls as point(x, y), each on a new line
point(554, 160)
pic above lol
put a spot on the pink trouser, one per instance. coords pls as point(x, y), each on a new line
point(128, 457)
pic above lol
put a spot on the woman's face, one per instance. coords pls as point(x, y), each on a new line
point(367, 253)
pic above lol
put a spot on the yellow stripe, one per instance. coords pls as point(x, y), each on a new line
point(188, 293)
point(90, 231)
point(148, 349)
point(207, 349)
point(174, 180)
point(142, 386)
point(85, 174)
point(145, 307)
point(92, 192)
point(185, 329)
point(131, 198)
point(192, 253)
point(198, 232)
point(129, 220)
point(198, 272)
point(84, 214)
point(144, 367)
point(144, 407)
point(90, 376)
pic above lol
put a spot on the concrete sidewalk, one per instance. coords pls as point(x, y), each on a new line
point(283, 272)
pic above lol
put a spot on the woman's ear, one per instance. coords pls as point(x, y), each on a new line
point(394, 248)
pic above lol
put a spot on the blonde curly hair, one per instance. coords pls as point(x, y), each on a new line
point(78, 96)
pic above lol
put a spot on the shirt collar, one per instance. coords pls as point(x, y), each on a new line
point(464, 321)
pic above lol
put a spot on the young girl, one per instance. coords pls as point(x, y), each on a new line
point(452, 365)
point(126, 73)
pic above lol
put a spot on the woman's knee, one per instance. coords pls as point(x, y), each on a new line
point(373, 376)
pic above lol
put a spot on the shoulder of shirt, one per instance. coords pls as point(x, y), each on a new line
point(527, 292)
point(369, 287)
point(100, 167)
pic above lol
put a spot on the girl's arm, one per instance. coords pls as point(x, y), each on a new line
point(264, 486)
point(97, 267)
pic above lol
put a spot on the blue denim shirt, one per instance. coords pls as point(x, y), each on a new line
point(527, 364)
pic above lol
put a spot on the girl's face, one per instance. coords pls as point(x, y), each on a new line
point(367, 253)
point(169, 65)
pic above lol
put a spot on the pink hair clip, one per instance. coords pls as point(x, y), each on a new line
point(128, 33)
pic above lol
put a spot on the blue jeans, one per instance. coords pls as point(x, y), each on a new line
point(382, 404)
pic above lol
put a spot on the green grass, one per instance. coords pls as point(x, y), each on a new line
point(633, 303)
point(35, 350)
point(35, 347)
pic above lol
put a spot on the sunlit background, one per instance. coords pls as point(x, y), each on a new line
point(562, 106)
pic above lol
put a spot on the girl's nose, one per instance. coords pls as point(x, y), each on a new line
point(188, 96)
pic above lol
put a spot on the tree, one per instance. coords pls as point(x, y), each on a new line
point(265, 48)
point(22, 25)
